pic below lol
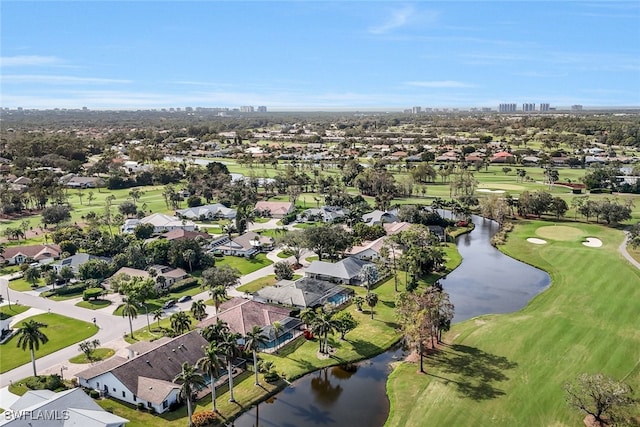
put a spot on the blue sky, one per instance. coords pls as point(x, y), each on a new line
point(303, 55)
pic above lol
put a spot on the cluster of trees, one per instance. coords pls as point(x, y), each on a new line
point(540, 202)
point(609, 178)
point(609, 210)
point(423, 315)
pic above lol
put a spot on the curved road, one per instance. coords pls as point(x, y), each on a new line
point(112, 328)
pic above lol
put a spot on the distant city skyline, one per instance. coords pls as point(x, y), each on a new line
point(305, 56)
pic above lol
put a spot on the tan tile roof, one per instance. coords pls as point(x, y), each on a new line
point(242, 315)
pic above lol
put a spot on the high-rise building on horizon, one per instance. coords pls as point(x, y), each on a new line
point(528, 107)
point(262, 109)
point(416, 110)
point(246, 109)
point(544, 107)
point(507, 108)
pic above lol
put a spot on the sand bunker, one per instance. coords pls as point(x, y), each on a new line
point(559, 232)
point(592, 242)
point(536, 241)
point(486, 190)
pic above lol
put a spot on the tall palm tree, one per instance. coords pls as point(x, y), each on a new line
point(180, 322)
point(191, 381)
point(307, 316)
point(277, 328)
point(229, 345)
point(218, 295)
point(130, 310)
point(30, 336)
point(32, 275)
point(323, 325)
point(252, 342)
point(215, 332)
point(199, 310)
point(372, 301)
point(157, 315)
point(211, 363)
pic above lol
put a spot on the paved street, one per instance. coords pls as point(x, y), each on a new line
point(112, 328)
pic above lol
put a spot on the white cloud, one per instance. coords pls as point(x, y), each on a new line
point(440, 84)
point(398, 18)
point(55, 80)
point(28, 60)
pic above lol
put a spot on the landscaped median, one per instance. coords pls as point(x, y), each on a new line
point(62, 332)
point(508, 370)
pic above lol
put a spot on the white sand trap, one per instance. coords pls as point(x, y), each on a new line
point(486, 190)
point(536, 241)
point(592, 242)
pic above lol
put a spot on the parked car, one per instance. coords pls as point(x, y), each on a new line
point(184, 298)
point(169, 303)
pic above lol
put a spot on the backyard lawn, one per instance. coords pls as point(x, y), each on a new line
point(510, 369)
point(62, 332)
point(245, 265)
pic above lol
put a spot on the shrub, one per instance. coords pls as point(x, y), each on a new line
point(53, 382)
point(204, 418)
point(181, 285)
point(140, 406)
point(271, 376)
point(95, 394)
point(92, 293)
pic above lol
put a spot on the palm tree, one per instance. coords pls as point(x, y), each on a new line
point(180, 322)
point(323, 325)
point(30, 336)
point(218, 295)
point(230, 349)
point(307, 316)
point(215, 332)
point(199, 309)
point(277, 328)
point(189, 256)
point(191, 382)
point(32, 275)
point(211, 363)
point(358, 301)
point(157, 315)
point(130, 310)
point(252, 342)
point(372, 300)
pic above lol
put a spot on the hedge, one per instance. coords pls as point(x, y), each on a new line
point(181, 285)
point(92, 293)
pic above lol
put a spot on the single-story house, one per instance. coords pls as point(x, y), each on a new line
point(161, 223)
point(181, 234)
point(345, 271)
point(380, 217)
point(503, 157)
point(84, 182)
point(274, 209)
point(324, 214)
point(75, 261)
point(68, 408)
point(395, 227)
point(171, 275)
point(368, 250)
point(214, 211)
point(20, 254)
point(246, 245)
point(148, 377)
point(241, 315)
point(438, 231)
point(304, 292)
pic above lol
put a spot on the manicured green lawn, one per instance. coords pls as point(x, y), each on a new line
point(245, 265)
point(22, 285)
point(507, 370)
point(6, 312)
point(62, 332)
point(283, 254)
point(94, 304)
point(8, 269)
point(153, 332)
point(98, 355)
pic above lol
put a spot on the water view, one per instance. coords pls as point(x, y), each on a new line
point(486, 282)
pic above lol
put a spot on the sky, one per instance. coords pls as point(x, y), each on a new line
point(318, 55)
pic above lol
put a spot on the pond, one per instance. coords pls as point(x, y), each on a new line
point(486, 282)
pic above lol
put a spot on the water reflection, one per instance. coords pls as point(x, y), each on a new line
point(354, 395)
